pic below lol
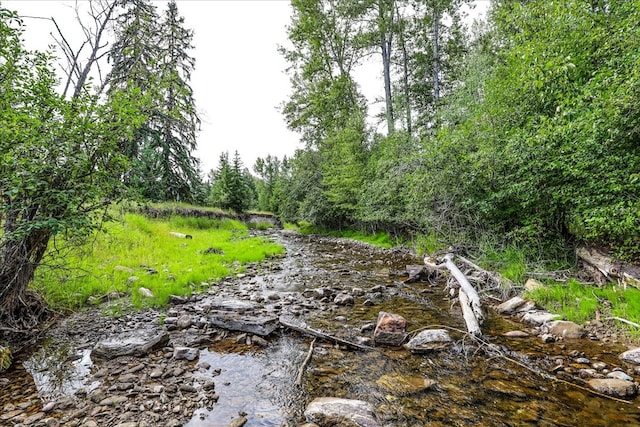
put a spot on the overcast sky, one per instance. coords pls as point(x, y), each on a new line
point(239, 80)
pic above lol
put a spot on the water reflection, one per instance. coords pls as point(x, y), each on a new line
point(258, 385)
point(59, 371)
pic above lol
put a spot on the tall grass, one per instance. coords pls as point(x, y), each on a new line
point(380, 239)
point(137, 252)
point(579, 303)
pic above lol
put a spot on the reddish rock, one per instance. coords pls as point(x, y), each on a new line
point(390, 329)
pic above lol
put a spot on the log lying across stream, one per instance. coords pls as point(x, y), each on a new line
point(467, 295)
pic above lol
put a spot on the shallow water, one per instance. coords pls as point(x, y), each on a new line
point(503, 382)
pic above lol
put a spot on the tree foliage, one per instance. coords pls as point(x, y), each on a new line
point(152, 54)
point(526, 126)
point(60, 162)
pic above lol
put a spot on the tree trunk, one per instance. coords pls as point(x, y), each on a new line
point(436, 53)
point(405, 71)
point(20, 258)
point(386, 38)
point(604, 268)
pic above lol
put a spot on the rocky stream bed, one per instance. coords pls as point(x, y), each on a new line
point(223, 358)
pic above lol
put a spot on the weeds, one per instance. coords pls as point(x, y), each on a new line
point(138, 252)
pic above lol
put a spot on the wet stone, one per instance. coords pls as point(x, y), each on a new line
point(403, 385)
point(343, 299)
point(390, 329)
point(613, 387)
point(334, 411)
point(429, 340)
point(631, 356)
point(135, 343)
point(256, 324)
point(516, 334)
point(538, 317)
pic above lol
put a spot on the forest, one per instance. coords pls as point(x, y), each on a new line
point(523, 129)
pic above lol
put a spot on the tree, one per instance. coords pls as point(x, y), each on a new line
point(152, 55)
point(231, 187)
point(60, 164)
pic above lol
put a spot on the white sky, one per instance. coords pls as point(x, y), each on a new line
point(239, 79)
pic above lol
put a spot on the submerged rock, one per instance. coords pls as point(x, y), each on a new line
point(390, 329)
point(333, 411)
point(613, 387)
point(134, 343)
point(403, 385)
point(566, 329)
point(431, 339)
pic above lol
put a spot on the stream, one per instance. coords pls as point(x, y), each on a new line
point(501, 382)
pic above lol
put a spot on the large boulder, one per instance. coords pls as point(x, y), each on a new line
point(333, 411)
point(133, 343)
point(390, 329)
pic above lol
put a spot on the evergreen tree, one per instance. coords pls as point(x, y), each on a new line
point(230, 188)
point(152, 55)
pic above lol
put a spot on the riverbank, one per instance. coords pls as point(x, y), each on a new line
point(205, 370)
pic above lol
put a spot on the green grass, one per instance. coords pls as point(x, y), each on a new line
point(380, 239)
point(165, 264)
point(577, 302)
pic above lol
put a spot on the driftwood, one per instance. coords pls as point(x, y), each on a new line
point(305, 363)
point(467, 295)
point(298, 326)
point(604, 268)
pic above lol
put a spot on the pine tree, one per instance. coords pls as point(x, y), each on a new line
point(178, 119)
point(152, 55)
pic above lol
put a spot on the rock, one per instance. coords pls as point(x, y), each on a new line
point(390, 329)
point(184, 321)
point(258, 341)
point(123, 268)
point(613, 387)
point(113, 401)
point(333, 411)
point(403, 385)
point(428, 340)
point(343, 299)
point(619, 375)
point(631, 356)
point(515, 334)
point(510, 306)
point(186, 353)
point(566, 329)
point(257, 324)
point(238, 422)
point(134, 343)
point(533, 285)
point(538, 317)
point(145, 292)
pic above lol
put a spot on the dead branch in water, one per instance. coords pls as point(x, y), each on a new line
point(298, 326)
point(305, 363)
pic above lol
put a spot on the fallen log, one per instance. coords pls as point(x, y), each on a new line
point(467, 295)
point(467, 313)
point(604, 268)
point(469, 290)
point(298, 326)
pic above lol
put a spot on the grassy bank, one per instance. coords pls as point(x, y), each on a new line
point(135, 252)
point(380, 239)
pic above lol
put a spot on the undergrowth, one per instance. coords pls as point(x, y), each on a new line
point(136, 252)
point(380, 239)
point(579, 303)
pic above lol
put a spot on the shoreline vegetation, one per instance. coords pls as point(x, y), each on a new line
point(149, 259)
